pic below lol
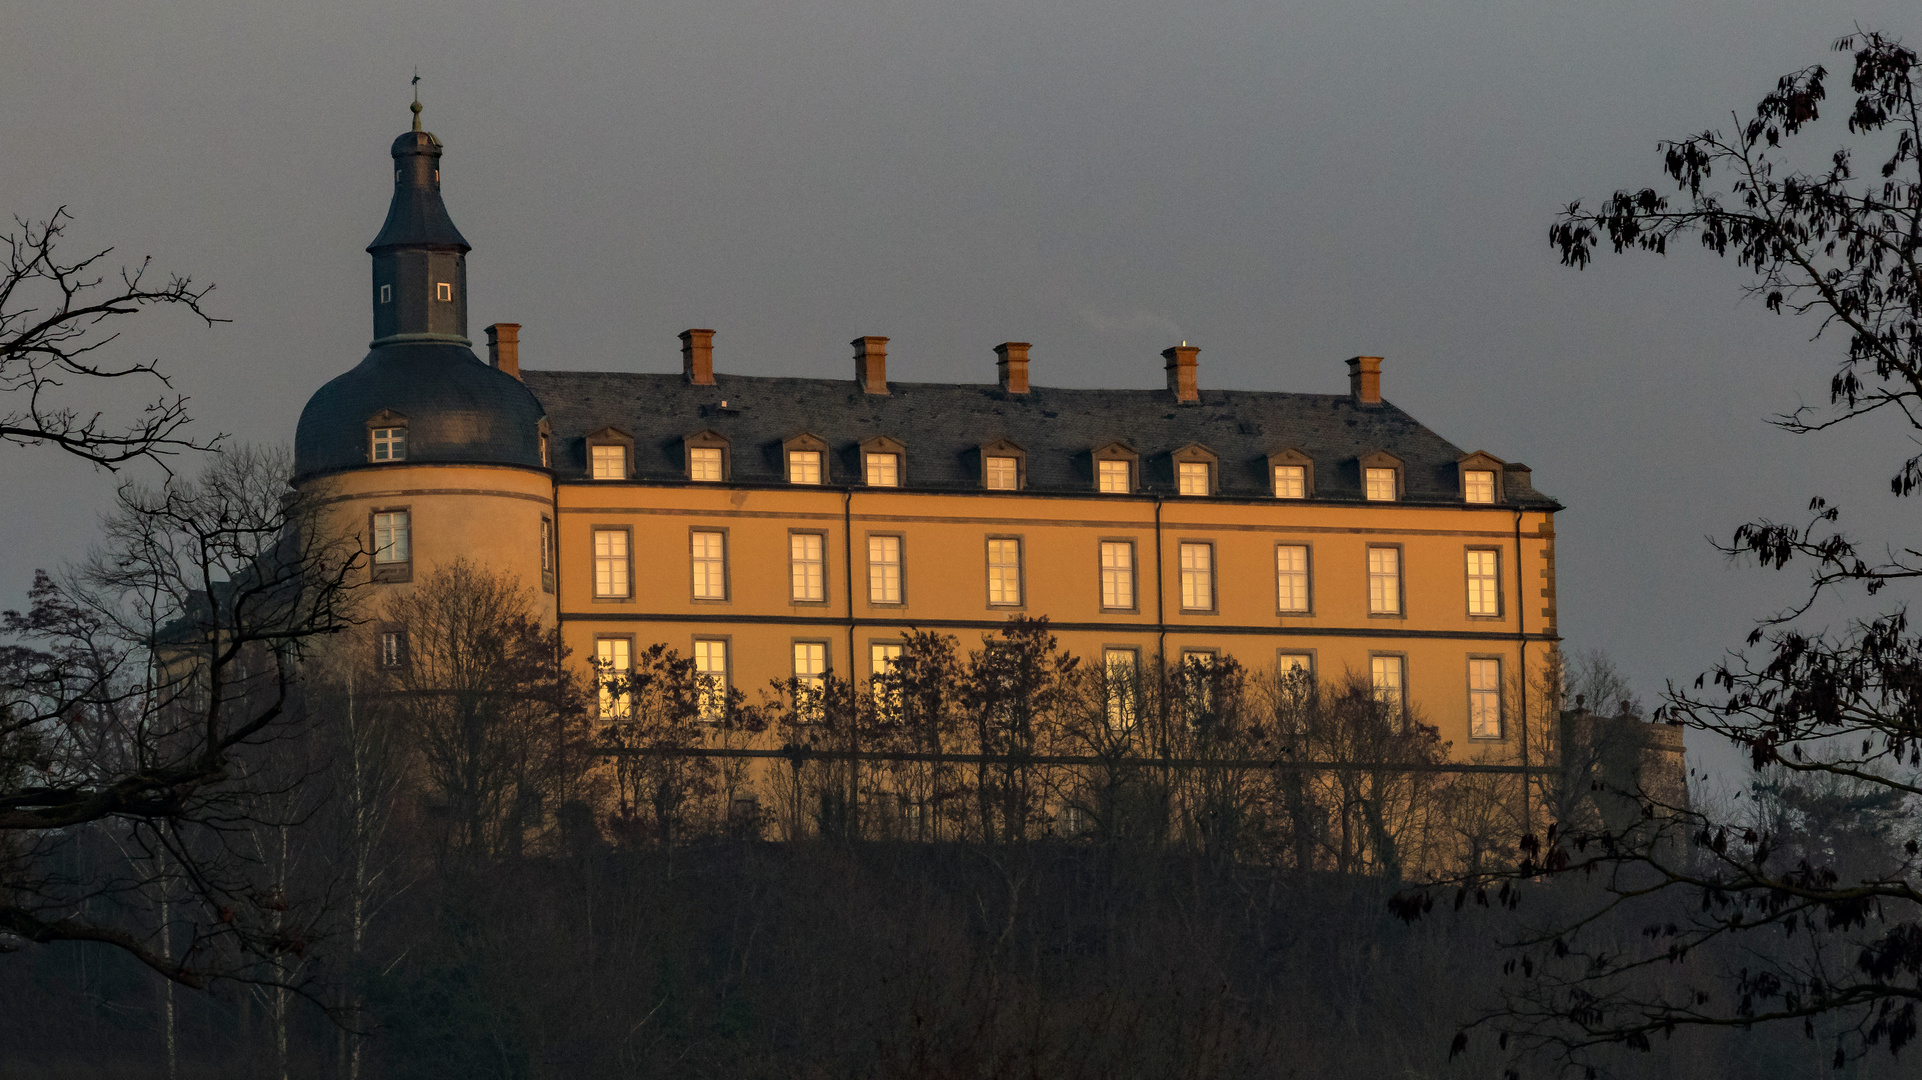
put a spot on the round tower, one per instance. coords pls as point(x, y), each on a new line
point(425, 451)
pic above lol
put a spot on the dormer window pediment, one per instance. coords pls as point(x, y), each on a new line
point(1004, 466)
point(1117, 469)
point(882, 461)
point(1382, 478)
point(705, 457)
point(610, 454)
point(805, 458)
point(1197, 470)
point(1291, 474)
point(1480, 478)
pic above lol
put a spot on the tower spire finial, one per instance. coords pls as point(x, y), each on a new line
point(416, 105)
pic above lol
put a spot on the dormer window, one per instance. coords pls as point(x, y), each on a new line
point(704, 464)
point(1193, 478)
point(609, 461)
point(1114, 478)
point(1478, 486)
point(1291, 482)
point(443, 291)
point(1379, 484)
point(883, 470)
point(390, 444)
point(803, 466)
point(1195, 470)
point(1001, 473)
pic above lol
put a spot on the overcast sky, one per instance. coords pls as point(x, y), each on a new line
point(1283, 184)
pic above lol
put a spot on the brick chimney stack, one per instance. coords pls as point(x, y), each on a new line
point(871, 364)
point(1364, 380)
point(1011, 360)
point(1181, 373)
point(504, 347)
point(697, 357)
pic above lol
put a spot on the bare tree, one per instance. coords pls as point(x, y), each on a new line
point(133, 693)
point(53, 312)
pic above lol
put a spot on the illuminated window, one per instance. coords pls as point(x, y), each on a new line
point(1385, 674)
point(884, 569)
point(444, 291)
point(1384, 581)
point(544, 441)
point(1292, 663)
point(613, 662)
point(1485, 699)
point(1003, 474)
point(807, 567)
point(1117, 575)
point(393, 540)
point(811, 664)
point(1484, 583)
point(1478, 486)
point(390, 444)
point(803, 466)
point(610, 462)
point(882, 656)
point(710, 665)
point(1193, 478)
point(1291, 578)
point(708, 553)
point(1120, 667)
point(393, 648)
point(610, 564)
point(1115, 477)
point(884, 470)
point(1198, 577)
point(1004, 573)
point(1381, 485)
point(704, 464)
point(1291, 481)
point(547, 546)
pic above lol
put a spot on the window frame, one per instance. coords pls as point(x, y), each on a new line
point(594, 562)
point(1131, 461)
point(705, 439)
point(601, 693)
point(827, 664)
point(1401, 582)
point(1468, 584)
point(1195, 454)
point(549, 563)
point(1133, 652)
point(1308, 580)
point(392, 571)
point(1293, 457)
point(727, 570)
point(882, 444)
point(1381, 459)
point(827, 584)
point(1314, 659)
point(805, 443)
point(1481, 461)
point(1401, 659)
point(397, 635)
point(1020, 571)
point(1134, 575)
point(610, 436)
point(443, 292)
point(1002, 448)
point(900, 569)
point(726, 642)
point(1501, 696)
point(1214, 577)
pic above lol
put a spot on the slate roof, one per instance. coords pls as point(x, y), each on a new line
point(943, 426)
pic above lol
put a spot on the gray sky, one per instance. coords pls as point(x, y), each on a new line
point(1284, 184)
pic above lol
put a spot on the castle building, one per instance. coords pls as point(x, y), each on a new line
point(776, 527)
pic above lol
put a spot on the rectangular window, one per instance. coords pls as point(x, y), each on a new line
point(884, 569)
point(1291, 481)
point(1296, 662)
point(1114, 477)
point(547, 546)
point(1198, 577)
point(881, 657)
point(807, 567)
point(613, 662)
point(1193, 478)
point(1291, 578)
point(390, 444)
point(610, 462)
point(1381, 485)
point(1004, 572)
point(610, 564)
point(1118, 575)
point(444, 290)
point(1478, 486)
point(1484, 583)
point(386, 294)
point(704, 464)
point(710, 665)
point(393, 540)
point(1384, 581)
point(884, 470)
point(393, 646)
point(803, 466)
point(1002, 473)
point(1121, 668)
point(1484, 698)
point(708, 553)
point(1385, 674)
point(811, 664)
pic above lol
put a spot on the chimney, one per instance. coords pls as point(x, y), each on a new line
point(697, 357)
point(1364, 380)
point(1011, 360)
point(871, 364)
point(504, 347)
point(1181, 372)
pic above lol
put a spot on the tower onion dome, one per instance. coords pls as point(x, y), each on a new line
point(421, 372)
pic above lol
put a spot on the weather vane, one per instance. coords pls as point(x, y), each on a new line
point(416, 105)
